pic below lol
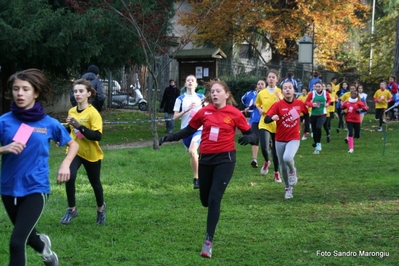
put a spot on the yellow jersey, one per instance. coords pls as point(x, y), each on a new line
point(91, 119)
point(265, 100)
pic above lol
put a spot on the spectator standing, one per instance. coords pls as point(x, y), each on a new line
point(168, 102)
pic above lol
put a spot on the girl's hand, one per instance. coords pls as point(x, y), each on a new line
point(13, 147)
point(275, 117)
point(63, 175)
point(72, 121)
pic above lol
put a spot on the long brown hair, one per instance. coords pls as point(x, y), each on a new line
point(230, 100)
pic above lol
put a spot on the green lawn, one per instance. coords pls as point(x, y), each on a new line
point(342, 203)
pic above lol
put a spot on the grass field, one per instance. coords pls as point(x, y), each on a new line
point(344, 205)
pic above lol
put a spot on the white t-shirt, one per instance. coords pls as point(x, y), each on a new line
point(183, 102)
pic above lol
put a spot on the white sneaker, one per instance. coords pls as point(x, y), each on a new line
point(288, 193)
point(380, 129)
point(350, 151)
point(292, 179)
point(277, 177)
point(49, 257)
point(304, 138)
point(316, 151)
point(265, 168)
point(318, 146)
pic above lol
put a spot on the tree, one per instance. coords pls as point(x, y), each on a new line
point(60, 40)
point(376, 57)
point(150, 20)
point(279, 23)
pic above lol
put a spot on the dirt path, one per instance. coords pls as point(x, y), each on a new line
point(137, 144)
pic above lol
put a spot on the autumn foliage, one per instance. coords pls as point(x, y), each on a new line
point(279, 24)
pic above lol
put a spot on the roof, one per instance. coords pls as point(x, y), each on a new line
point(200, 53)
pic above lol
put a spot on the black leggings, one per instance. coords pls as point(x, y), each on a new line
point(24, 213)
point(353, 129)
point(213, 181)
point(317, 123)
point(93, 170)
point(379, 114)
point(341, 121)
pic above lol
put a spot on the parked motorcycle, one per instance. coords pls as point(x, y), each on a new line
point(126, 99)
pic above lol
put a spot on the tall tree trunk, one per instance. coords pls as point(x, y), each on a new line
point(396, 58)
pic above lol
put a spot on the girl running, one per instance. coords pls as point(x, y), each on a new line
point(217, 151)
point(25, 134)
point(287, 115)
point(265, 99)
point(86, 127)
point(186, 105)
point(354, 107)
point(318, 99)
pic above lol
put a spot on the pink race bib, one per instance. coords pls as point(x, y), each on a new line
point(214, 134)
point(294, 113)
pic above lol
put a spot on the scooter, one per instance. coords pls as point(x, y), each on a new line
point(125, 99)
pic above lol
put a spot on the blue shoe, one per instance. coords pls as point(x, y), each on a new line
point(69, 215)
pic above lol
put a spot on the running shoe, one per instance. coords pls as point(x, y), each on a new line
point(292, 179)
point(254, 163)
point(304, 137)
point(380, 129)
point(102, 215)
point(318, 146)
point(206, 251)
point(69, 215)
point(49, 257)
point(196, 183)
point(346, 140)
point(265, 169)
point(316, 152)
point(350, 151)
point(288, 193)
point(277, 177)
point(328, 139)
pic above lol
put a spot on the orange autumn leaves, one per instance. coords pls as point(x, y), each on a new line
point(277, 22)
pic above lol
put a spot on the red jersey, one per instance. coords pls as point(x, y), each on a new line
point(219, 127)
point(289, 124)
point(352, 115)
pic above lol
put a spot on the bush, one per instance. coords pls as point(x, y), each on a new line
point(239, 85)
